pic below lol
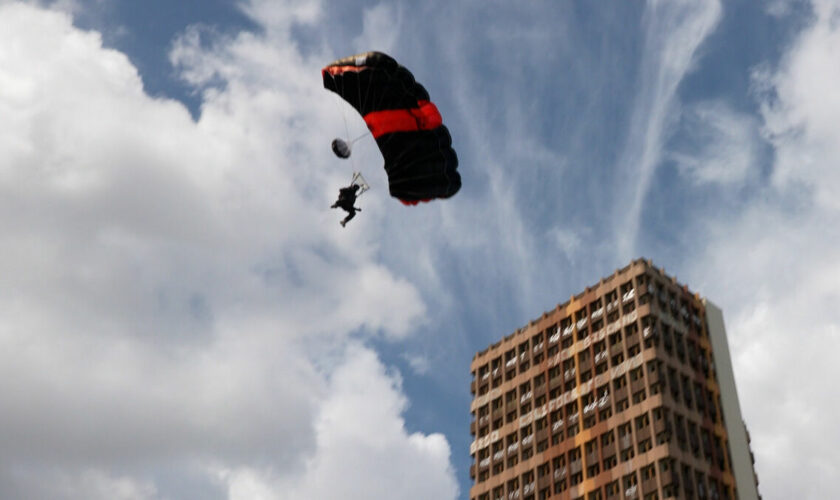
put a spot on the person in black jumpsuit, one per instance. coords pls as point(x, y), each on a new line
point(346, 200)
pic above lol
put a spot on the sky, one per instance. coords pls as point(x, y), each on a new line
point(182, 316)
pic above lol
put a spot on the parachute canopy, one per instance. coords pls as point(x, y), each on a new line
point(419, 159)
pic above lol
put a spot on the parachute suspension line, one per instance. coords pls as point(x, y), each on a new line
point(338, 106)
point(358, 138)
point(341, 110)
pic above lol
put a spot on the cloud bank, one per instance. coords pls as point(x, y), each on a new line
point(774, 266)
point(177, 309)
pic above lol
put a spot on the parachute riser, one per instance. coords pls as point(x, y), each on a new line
point(359, 181)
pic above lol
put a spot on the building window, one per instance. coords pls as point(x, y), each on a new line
point(513, 487)
point(582, 333)
point(611, 489)
point(624, 431)
point(601, 367)
point(619, 382)
point(649, 472)
point(629, 482)
point(607, 438)
point(527, 452)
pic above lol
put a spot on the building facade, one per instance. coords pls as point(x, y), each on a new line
point(626, 391)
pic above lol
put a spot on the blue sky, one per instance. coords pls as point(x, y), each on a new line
point(185, 318)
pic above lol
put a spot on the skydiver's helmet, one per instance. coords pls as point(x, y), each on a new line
point(340, 148)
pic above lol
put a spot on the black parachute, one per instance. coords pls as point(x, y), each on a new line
point(419, 159)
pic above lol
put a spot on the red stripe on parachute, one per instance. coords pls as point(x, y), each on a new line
point(424, 117)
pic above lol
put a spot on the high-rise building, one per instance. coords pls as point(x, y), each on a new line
point(626, 391)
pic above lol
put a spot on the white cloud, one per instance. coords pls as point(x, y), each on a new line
point(380, 28)
point(87, 483)
point(801, 117)
point(780, 8)
point(173, 290)
point(775, 271)
point(724, 145)
point(567, 241)
point(363, 445)
point(363, 450)
point(419, 363)
point(674, 31)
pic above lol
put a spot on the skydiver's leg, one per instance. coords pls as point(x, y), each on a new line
point(350, 215)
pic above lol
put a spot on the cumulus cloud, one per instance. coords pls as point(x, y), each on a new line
point(61, 485)
point(774, 269)
point(801, 111)
point(363, 449)
point(173, 290)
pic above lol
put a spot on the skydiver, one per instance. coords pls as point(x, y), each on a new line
point(346, 200)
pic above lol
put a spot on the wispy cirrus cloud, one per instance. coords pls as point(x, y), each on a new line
point(724, 145)
point(674, 32)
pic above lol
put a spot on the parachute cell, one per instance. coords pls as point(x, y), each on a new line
point(417, 148)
